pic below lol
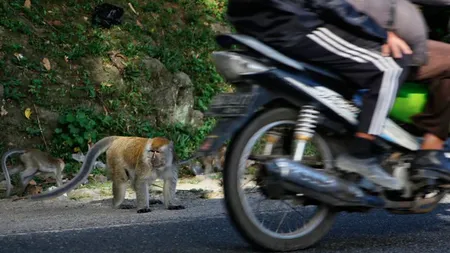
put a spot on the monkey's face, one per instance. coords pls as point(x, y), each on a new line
point(157, 157)
point(160, 152)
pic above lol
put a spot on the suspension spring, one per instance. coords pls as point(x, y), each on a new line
point(307, 120)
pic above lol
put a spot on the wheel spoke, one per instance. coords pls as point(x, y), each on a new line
point(309, 159)
point(247, 196)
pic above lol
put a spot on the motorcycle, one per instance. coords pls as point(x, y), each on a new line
point(272, 91)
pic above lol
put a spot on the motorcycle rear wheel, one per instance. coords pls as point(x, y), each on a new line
point(239, 214)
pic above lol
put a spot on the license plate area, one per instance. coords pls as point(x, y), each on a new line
point(227, 105)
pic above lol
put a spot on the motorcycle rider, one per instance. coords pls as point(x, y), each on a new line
point(430, 65)
point(435, 119)
point(334, 34)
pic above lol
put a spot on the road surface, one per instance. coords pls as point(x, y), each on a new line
point(71, 226)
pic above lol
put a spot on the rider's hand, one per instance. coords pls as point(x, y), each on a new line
point(395, 46)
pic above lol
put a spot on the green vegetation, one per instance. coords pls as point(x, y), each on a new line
point(177, 32)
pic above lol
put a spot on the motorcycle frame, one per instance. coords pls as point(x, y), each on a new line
point(293, 84)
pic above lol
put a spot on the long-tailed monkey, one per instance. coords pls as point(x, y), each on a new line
point(140, 160)
point(34, 161)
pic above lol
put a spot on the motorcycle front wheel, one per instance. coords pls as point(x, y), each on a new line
point(257, 232)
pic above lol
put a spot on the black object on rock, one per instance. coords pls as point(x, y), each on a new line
point(107, 15)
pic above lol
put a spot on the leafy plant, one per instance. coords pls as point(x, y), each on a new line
point(77, 128)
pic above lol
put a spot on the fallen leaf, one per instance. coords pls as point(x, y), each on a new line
point(3, 111)
point(34, 190)
point(138, 23)
point(90, 144)
point(46, 63)
point(119, 60)
point(132, 8)
point(55, 23)
point(18, 56)
point(28, 113)
point(27, 4)
point(122, 56)
point(104, 84)
point(32, 182)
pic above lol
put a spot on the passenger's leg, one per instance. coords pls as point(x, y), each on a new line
point(435, 119)
point(361, 62)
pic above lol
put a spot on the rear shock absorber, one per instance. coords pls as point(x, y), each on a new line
point(272, 137)
point(305, 129)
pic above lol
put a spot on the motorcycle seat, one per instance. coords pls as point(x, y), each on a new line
point(228, 40)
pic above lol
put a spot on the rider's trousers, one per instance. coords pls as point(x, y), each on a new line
point(360, 61)
point(436, 116)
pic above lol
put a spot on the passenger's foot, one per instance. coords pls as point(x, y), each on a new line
point(369, 168)
point(431, 164)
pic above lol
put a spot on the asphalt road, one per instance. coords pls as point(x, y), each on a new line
point(202, 227)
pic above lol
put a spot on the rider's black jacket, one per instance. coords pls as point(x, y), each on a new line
point(286, 22)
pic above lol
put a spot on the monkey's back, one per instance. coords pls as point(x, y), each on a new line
point(126, 152)
point(36, 157)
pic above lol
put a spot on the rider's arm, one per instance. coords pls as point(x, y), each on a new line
point(340, 11)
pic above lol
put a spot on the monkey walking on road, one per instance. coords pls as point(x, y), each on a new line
point(33, 161)
point(140, 160)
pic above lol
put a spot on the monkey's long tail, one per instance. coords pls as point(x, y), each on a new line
point(88, 164)
point(187, 160)
point(5, 169)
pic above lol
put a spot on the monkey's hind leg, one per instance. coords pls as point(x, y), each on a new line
point(58, 176)
point(25, 178)
point(119, 190)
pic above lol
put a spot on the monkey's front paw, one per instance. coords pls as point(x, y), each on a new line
point(177, 207)
point(144, 210)
point(126, 206)
point(155, 202)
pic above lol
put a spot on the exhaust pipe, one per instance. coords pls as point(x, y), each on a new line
point(284, 175)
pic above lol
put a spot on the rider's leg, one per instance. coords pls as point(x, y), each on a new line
point(436, 117)
point(362, 152)
point(360, 61)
